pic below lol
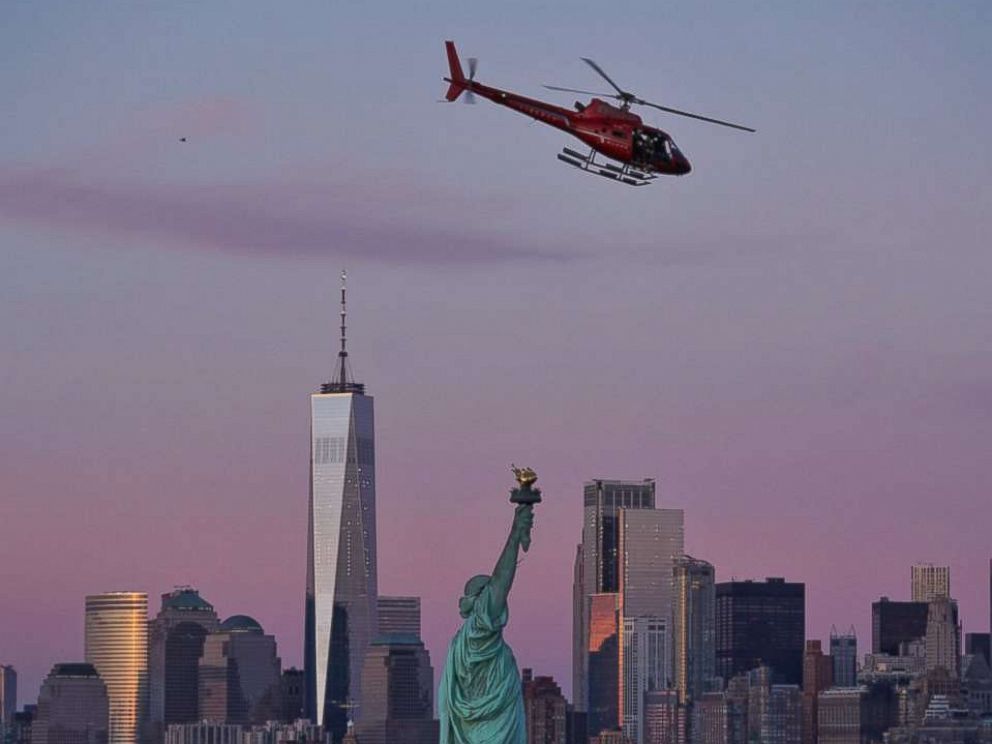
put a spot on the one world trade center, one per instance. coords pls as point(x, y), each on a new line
point(341, 547)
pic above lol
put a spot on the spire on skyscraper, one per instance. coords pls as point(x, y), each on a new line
point(342, 380)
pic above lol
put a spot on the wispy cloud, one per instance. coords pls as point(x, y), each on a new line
point(289, 219)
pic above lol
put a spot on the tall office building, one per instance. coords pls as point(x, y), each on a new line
point(930, 582)
point(979, 644)
point(544, 710)
point(239, 680)
point(175, 644)
point(399, 615)
point(649, 541)
point(397, 693)
point(341, 607)
point(894, 624)
point(818, 674)
point(598, 567)
point(761, 623)
point(693, 627)
point(8, 695)
point(116, 640)
point(774, 712)
point(73, 707)
point(943, 644)
point(844, 653)
point(644, 666)
point(603, 662)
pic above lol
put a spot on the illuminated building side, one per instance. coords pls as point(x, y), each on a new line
point(341, 547)
point(116, 644)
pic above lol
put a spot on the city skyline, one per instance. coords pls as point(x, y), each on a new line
point(795, 335)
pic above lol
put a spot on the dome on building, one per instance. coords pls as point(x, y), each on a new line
point(241, 624)
point(185, 598)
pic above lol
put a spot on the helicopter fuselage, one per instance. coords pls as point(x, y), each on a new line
point(612, 131)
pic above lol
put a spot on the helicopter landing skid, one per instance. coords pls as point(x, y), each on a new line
point(588, 163)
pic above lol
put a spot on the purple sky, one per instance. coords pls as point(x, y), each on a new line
point(795, 340)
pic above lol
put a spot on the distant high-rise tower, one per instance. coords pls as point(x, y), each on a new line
point(644, 665)
point(894, 624)
point(73, 707)
point(544, 710)
point(844, 653)
point(818, 674)
point(598, 570)
point(761, 623)
point(116, 641)
point(693, 627)
point(8, 695)
point(930, 582)
point(341, 546)
point(175, 645)
point(397, 693)
point(399, 615)
point(943, 646)
point(240, 674)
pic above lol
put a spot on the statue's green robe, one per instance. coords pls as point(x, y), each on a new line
point(480, 699)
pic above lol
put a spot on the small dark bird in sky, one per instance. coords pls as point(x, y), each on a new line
point(182, 139)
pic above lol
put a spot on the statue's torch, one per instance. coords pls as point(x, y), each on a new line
point(525, 493)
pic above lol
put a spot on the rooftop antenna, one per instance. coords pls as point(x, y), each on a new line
point(343, 354)
point(341, 381)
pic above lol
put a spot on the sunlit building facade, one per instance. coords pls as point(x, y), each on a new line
point(341, 606)
point(116, 640)
point(603, 654)
point(929, 582)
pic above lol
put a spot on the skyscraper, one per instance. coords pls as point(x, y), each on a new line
point(399, 615)
point(603, 662)
point(239, 674)
point(761, 623)
point(72, 707)
point(397, 693)
point(844, 653)
point(896, 623)
point(175, 645)
point(544, 710)
point(341, 546)
point(818, 675)
point(8, 694)
point(116, 640)
point(943, 646)
point(693, 627)
point(644, 665)
point(598, 569)
point(930, 582)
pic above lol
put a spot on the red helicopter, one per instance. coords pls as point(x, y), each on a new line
point(643, 151)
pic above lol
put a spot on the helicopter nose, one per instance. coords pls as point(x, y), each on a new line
point(683, 165)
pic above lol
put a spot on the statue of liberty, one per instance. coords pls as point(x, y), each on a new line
point(480, 699)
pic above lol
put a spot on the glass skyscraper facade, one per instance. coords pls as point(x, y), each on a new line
point(116, 640)
point(761, 623)
point(341, 605)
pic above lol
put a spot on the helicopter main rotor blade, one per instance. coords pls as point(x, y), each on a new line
point(642, 102)
point(584, 92)
point(606, 77)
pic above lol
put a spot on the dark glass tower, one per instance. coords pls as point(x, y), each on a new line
point(761, 623)
point(896, 623)
point(341, 547)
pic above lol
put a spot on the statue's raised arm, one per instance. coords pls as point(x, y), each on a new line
point(479, 699)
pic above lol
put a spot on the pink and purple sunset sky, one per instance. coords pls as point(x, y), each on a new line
point(795, 340)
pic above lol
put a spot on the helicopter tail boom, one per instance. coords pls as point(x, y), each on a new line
point(457, 78)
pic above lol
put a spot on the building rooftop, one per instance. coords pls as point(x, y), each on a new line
point(74, 669)
point(185, 598)
point(241, 624)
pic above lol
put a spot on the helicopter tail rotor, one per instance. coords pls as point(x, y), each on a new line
point(459, 83)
